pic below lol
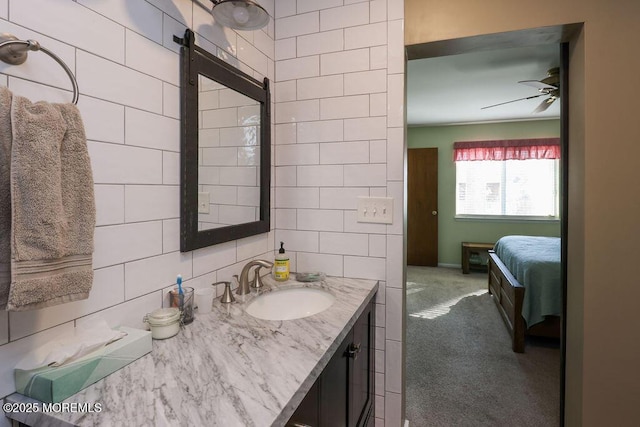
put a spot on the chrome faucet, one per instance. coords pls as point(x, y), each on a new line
point(243, 285)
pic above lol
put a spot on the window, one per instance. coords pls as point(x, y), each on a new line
point(508, 179)
point(527, 188)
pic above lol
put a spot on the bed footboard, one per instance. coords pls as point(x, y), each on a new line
point(508, 295)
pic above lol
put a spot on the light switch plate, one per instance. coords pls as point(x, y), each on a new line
point(203, 203)
point(375, 209)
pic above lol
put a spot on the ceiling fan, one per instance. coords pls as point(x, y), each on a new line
point(549, 86)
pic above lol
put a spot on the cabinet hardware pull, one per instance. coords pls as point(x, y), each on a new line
point(294, 424)
point(354, 350)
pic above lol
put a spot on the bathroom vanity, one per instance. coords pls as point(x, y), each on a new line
point(228, 368)
point(345, 388)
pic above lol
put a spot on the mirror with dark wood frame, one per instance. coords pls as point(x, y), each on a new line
point(225, 156)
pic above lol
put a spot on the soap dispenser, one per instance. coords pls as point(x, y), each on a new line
point(281, 265)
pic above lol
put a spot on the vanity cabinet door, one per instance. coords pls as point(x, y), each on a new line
point(326, 402)
point(334, 387)
point(361, 368)
point(347, 383)
point(343, 394)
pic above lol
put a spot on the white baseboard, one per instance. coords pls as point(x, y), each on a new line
point(406, 423)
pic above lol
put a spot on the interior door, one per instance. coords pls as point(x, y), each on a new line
point(422, 207)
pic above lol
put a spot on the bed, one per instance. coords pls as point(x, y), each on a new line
point(525, 282)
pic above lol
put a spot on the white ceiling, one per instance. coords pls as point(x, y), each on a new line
point(453, 89)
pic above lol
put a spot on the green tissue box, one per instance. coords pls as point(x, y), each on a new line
point(54, 384)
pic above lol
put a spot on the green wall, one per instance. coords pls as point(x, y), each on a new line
point(451, 231)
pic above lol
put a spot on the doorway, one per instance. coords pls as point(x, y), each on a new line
point(515, 41)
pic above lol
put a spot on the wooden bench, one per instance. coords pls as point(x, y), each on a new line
point(469, 248)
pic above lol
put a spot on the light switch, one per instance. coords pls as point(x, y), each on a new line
point(203, 203)
point(375, 209)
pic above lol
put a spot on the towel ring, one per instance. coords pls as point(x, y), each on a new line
point(14, 52)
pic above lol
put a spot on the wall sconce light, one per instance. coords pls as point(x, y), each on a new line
point(239, 14)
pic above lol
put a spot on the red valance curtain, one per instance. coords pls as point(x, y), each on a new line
point(507, 149)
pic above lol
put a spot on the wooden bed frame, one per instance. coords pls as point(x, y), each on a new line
point(508, 295)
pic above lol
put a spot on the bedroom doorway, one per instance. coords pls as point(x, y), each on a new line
point(440, 362)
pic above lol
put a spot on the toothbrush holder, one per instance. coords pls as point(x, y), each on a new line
point(184, 302)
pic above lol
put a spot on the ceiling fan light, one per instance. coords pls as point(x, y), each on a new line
point(240, 14)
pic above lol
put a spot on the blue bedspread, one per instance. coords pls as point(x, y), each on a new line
point(535, 262)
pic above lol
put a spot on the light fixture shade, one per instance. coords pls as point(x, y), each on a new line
point(240, 14)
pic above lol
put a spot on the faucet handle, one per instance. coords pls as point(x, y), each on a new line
point(257, 280)
point(227, 296)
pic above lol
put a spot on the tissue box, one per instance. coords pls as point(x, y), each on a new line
point(54, 384)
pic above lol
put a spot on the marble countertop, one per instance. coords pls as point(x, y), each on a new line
point(227, 368)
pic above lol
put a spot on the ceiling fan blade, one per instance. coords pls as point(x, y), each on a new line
point(515, 100)
point(544, 105)
point(537, 84)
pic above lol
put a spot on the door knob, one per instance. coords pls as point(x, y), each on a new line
point(434, 213)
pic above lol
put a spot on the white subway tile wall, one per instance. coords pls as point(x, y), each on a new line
point(150, 130)
point(109, 204)
point(127, 67)
point(297, 25)
point(66, 20)
point(171, 99)
point(340, 135)
point(314, 44)
point(285, 48)
point(103, 121)
point(170, 168)
point(110, 81)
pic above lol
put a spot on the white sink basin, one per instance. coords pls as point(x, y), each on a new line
point(287, 304)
